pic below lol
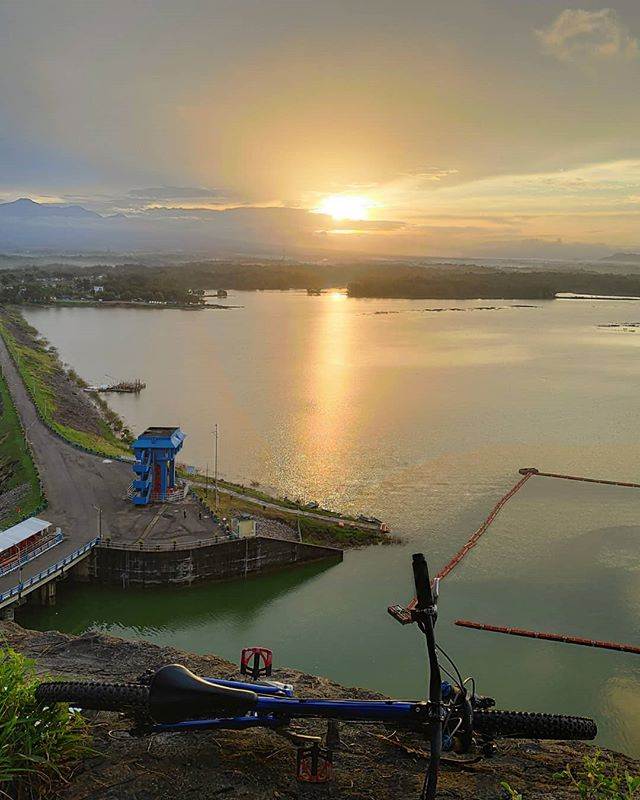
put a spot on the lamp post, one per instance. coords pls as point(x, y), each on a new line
point(215, 461)
point(99, 510)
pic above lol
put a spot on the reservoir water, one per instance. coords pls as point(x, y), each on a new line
point(421, 413)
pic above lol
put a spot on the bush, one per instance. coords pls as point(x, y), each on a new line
point(599, 778)
point(39, 747)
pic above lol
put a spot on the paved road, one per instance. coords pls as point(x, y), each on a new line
point(74, 482)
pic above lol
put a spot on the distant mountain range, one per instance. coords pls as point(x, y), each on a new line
point(237, 231)
point(27, 209)
point(26, 224)
point(625, 258)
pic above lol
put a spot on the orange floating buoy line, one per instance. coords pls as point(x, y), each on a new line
point(534, 471)
point(403, 615)
point(474, 539)
point(620, 647)
point(551, 637)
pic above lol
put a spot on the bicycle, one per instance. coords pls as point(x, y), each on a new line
point(452, 718)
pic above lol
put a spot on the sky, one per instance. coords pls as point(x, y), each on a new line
point(417, 127)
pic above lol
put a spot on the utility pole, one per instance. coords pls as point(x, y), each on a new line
point(99, 510)
point(215, 461)
point(206, 481)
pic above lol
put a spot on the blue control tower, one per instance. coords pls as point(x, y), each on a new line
point(155, 465)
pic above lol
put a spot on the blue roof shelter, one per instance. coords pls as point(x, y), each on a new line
point(155, 465)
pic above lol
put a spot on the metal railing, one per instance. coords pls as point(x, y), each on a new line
point(29, 555)
point(34, 579)
point(164, 546)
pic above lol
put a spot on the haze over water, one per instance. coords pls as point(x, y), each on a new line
point(422, 418)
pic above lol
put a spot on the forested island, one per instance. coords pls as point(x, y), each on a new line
point(461, 283)
point(184, 284)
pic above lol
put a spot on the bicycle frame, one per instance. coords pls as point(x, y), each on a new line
point(276, 706)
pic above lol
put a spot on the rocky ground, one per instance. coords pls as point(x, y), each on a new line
point(374, 762)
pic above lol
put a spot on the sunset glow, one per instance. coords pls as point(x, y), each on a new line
point(346, 206)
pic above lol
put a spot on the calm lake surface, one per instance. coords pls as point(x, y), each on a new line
point(422, 418)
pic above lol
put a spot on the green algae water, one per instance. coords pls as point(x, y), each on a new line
point(422, 418)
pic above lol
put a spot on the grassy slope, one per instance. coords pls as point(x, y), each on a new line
point(15, 455)
point(314, 531)
point(36, 364)
point(263, 497)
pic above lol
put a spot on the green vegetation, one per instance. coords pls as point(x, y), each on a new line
point(510, 793)
point(313, 531)
point(183, 285)
point(51, 390)
point(39, 747)
point(599, 778)
point(456, 282)
point(76, 286)
point(263, 497)
point(17, 470)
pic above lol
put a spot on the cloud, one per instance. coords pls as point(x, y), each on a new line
point(431, 173)
point(165, 193)
point(577, 35)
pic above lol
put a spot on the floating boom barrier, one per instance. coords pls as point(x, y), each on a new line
point(551, 637)
point(534, 471)
point(475, 538)
point(403, 615)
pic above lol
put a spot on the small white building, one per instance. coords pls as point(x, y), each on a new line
point(244, 526)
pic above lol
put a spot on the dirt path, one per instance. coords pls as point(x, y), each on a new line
point(75, 483)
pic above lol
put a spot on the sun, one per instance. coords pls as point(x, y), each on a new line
point(346, 206)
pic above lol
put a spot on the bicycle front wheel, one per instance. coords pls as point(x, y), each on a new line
point(528, 725)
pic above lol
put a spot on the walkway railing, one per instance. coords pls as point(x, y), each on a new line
point(173, 545)
point(35, 579)
point(29, 555)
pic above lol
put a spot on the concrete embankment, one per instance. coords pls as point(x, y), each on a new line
point(235, 558)
point(374, 762)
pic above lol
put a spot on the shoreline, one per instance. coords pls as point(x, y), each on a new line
point(128, 304)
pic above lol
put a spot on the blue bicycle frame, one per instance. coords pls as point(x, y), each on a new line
point(276, 705)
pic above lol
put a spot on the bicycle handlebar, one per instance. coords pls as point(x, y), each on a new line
point(424, 613)
point(424, 596)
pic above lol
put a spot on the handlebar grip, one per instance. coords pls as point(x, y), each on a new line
point(424, 598)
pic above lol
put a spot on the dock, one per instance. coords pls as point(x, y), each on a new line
point(129, 387)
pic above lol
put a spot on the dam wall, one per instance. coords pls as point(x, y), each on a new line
point(235, 558)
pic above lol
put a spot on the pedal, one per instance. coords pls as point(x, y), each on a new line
point(256, 662)
point(314, 764)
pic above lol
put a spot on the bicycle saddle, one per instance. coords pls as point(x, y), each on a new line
point(176, 694)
